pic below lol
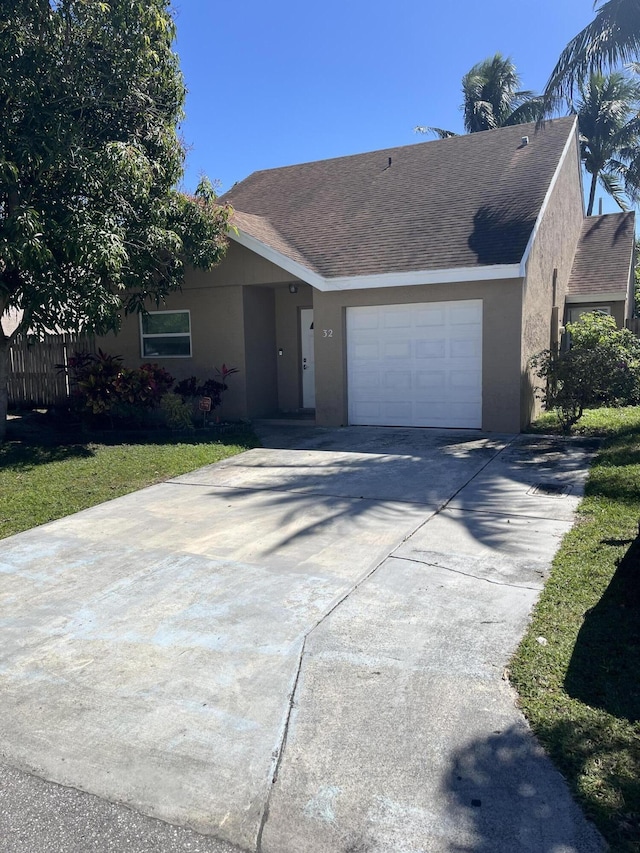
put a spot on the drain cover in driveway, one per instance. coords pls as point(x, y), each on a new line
point(549, 490)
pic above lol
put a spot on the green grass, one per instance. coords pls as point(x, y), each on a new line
point(581, 691)
point(40, 481)
point(599, 422)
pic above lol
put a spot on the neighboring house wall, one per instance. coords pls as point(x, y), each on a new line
point(616, 309)
point(553, 249)
point(502, 314)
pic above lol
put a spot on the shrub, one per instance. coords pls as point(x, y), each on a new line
point(101, 384)
point(601, 367)
point(189, 389)
point(143, 386)
point(176, 412)
point(93, 378)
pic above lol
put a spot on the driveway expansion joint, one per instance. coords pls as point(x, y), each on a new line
point(280, 750)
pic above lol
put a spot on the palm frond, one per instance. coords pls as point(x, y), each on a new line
point(438, 132)
point(612, 38)
point(615, 187)
point(530, 110)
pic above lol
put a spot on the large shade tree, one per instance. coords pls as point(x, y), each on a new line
point(492, 98)
point(612, 38)
point(91, 224)
point(607, 110)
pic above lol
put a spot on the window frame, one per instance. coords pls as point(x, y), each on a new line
point(150, 336)
point(587, 309)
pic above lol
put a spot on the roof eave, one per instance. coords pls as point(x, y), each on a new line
point(492, 272)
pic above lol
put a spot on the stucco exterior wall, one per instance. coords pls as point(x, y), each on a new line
point(239, 266)
point(217, 337)
point(221, 316)
point(553, 249)
point(260, 355)
point(502, 313)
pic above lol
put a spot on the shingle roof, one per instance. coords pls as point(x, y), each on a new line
point(461, 202)
point(603, 258)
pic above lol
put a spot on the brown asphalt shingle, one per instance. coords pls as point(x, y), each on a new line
point(462, 202)
point(604, 254)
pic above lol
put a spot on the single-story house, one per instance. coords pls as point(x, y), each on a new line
point(404, 287)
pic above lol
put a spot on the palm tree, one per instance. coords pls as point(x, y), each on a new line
point(609, 128)
point(492, 98)
point(613, 37)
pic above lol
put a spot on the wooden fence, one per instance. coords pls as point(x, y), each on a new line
point(36, 369)
point(634, 325)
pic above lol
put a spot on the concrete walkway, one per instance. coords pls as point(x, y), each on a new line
point(301, 648)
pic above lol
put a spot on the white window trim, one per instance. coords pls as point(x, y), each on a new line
point(144, 335)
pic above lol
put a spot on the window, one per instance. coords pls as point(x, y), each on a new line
point(166, 334)
point(578, 311)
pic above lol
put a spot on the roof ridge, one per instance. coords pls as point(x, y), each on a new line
point(514, 128)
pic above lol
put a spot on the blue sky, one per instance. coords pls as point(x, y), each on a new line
point(275, 83)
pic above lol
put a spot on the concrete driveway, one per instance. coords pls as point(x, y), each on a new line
point(301, 648)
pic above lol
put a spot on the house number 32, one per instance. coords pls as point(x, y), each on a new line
point(327, 333)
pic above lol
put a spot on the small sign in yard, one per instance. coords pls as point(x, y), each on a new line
point(205, 404)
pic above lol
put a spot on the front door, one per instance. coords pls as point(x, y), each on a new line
point(308, 362)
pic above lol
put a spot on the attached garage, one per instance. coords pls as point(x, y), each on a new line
point(417, 364)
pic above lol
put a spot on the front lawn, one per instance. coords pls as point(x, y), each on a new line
point(41, 480)
point(581, 690)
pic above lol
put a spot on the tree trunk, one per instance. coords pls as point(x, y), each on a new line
point(4, 383)
point(592, 193)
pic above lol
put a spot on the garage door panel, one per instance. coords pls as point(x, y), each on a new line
point(396, 320)
point(430, 380)
point(365, 319)
point(463, 313)
point(431, 349)
point(425, 315)
point(367, 351)
point(368, 410)
point(403, 410)
point(396, 349)
point(416, 364)
point(400, 380)
point(365, 380)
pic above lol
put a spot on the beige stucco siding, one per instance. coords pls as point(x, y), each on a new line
point(227, 326)
point(554, 248)
point(217, 337)
point(260, 355)
point(239, 266)
point(500, 352)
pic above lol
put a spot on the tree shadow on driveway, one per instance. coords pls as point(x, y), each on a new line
point(487, 478)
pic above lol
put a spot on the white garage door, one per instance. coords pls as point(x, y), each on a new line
point(416, 365)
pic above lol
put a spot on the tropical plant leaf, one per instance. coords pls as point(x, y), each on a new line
point(439, 132)
point(612, 38)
